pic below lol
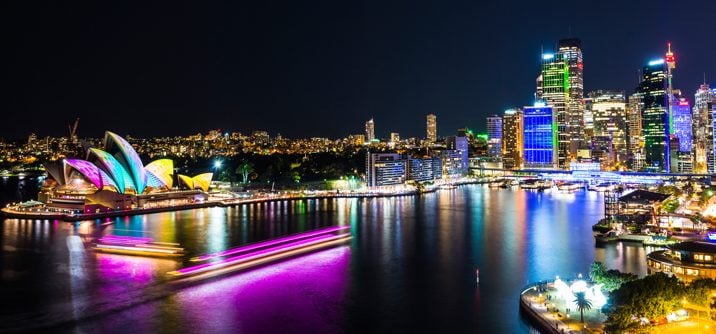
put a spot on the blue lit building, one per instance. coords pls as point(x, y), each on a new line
point(681, 118)
point(540, 137)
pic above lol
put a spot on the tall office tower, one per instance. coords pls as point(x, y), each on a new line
point(432, 127)
point(634, 109)
point(369, 130)
point(609, 142)
point(571, 50)
point(494, 136)
point(588, 120)
point(655, 116)
point(540, 137)
point(681, 123)
point(560, 85)
point(703, 138)
point(512, 139)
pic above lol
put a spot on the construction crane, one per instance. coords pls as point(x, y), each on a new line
point(73, 131)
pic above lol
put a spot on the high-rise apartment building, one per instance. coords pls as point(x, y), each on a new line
point(655, 116)
point(560, 85)
point(494, 136)
point(512, 143)
point(369, 130)
point(432, 128)
point(540, 144)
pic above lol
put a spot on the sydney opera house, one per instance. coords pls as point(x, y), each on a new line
point(116, 179)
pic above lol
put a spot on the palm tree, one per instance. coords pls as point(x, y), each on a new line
point(582, 303)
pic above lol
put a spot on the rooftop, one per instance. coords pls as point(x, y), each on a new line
point(643, 196)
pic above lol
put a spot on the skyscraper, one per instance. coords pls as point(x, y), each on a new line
point(512, 144)
point(634, 110)
point(560, 85)
point(681, 121)
point(703, 138)
point(432, 127)
point(540, 137)
point(609, 142)
point(369, 130)
point(494, 136)
point(571, 50)
point(655, 117)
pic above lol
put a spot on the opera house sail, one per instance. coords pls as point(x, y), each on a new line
point(114, 178)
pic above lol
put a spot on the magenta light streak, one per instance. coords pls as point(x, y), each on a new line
point(272, 242)
point(258, 254)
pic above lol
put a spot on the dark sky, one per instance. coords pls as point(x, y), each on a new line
point(319, 68)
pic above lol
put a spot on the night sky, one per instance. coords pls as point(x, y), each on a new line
point(320, 68)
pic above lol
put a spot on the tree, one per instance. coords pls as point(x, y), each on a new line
point(245, 169)
point(609, 279)
point(582, 303)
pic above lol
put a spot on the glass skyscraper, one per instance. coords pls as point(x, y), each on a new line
point(560, 85)
point(655, 117)
point(681, 120)
point(540, 137)
point(494, 136)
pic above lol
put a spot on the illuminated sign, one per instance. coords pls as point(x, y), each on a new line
point(656, 62)
point(547, 56)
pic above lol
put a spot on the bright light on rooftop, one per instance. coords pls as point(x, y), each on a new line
point(656, 62)
point(547, 56)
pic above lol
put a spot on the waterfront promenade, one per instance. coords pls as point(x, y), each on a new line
point(540, 305)
point(42, 212)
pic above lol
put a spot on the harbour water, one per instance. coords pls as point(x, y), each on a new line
point(410, 266)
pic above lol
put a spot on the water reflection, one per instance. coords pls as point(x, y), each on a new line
point(409, 267)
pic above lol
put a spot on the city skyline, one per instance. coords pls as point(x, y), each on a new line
point(341, 65)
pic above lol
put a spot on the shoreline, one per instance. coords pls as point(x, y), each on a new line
point(5, 212)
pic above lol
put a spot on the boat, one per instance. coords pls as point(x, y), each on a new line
point(537, 184)
point(499, 183)
point(570, 186)
point(138, 246)
point(607, 237)
point(447, 186)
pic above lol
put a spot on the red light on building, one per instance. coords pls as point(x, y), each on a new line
point(670, 58)
point(683, 103)
point(580, 66)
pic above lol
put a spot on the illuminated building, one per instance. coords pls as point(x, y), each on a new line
point(369, 131)
point(609, 141)
point(494, 136)
point(560, 85)
point(385, 169)
point(703, 129)
point(655, 117)
point(424, 169)
point(687, 261)
point(634, 108)
point(460, 145)
point(681, 120)
point(115, 179)
point(394, 139)
point(432, 128)
point(512, 138)
point(540, 137)
point(261, 138)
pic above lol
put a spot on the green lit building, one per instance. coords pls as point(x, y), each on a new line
point(655, 116)
point(560, 85)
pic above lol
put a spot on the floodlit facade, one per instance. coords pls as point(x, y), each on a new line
point(432, 128)
point(609, 139)
point(540, 142)
point(512, 141)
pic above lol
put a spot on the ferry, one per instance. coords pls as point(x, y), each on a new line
point(138, 246)
point(605, 186)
